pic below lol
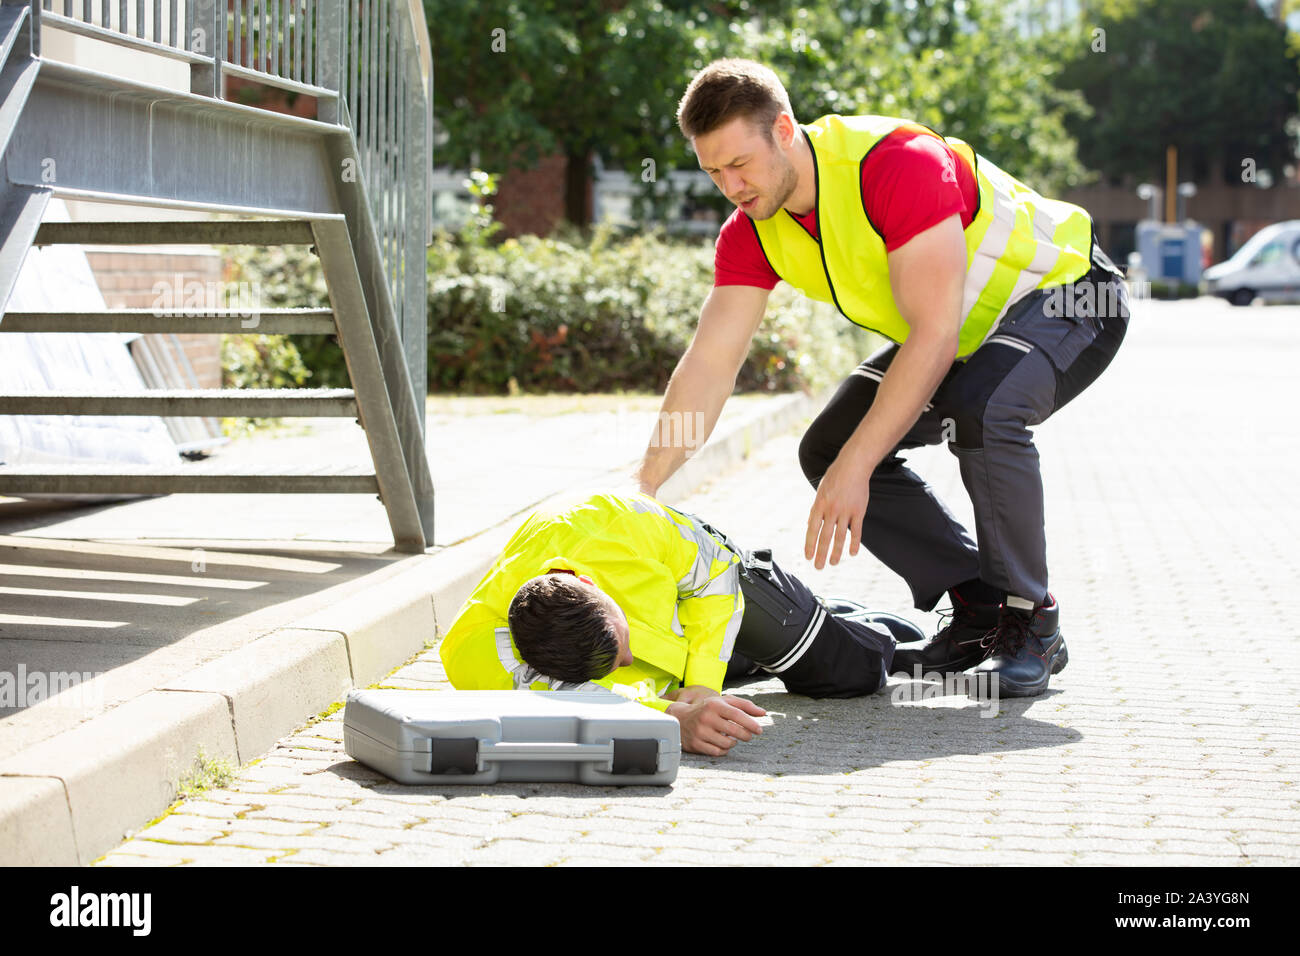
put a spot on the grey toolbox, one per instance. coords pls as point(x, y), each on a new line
point(485, 736)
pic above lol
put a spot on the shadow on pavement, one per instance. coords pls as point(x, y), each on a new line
point(86, 623)
point(810, 737)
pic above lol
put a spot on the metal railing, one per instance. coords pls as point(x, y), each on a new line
point(386, 98)
point(366, 62)
point(155, 29)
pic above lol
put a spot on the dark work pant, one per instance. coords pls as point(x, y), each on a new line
point(788, 633)
point(1048, 348)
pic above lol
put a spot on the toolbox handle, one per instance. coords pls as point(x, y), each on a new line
point(469, 755)
point(620, 756)
point(545, 751)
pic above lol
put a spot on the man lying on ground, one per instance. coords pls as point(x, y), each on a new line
point(624, 593)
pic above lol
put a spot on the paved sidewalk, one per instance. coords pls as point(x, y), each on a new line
point(137, 636)
point(1171, 738)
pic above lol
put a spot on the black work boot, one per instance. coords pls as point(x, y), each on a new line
point(955, 647)
point(1024, 651)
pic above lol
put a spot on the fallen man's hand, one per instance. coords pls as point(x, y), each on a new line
point(692, 693)
point(712, 726)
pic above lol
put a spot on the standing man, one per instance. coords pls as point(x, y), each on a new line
point(1000, 306)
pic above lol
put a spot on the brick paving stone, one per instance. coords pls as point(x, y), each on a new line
point(328, 857)
point(216, 811)
point(518, 853)
point(132, 859)
point(322, 840)
point(416, 838)
point(148, 854)
point(248, 824)
point(213, 855)
point(181, 829)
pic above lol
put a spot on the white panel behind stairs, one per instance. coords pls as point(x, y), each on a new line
point(59, 277)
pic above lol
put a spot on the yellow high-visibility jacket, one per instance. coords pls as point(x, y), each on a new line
point(678, 585)
point(1018, 240)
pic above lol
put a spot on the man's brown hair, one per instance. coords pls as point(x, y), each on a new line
point(564, 628)
point(729, 88)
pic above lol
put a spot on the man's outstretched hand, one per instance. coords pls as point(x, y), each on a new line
point(711, 724)
point(838, 510)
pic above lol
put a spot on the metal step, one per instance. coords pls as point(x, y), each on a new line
point(232, 402)
point(21, 208)
point(13, 21)
point(18, 69)
point(219, 232)
point(232, 321)
point(100, 479)
point(16, 82)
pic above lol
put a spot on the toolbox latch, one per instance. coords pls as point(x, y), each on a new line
point(635, 757)
point(453, 755)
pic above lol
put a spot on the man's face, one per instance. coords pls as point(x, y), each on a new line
point(624, 633)
point(751, 169)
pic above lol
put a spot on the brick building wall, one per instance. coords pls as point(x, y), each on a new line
point(128, 278)
point(1232, 213)
point(531, 201)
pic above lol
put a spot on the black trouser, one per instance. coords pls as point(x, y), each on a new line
point(1047, 349)
point(787, 632)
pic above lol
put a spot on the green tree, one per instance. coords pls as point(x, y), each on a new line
point(959, 66)
point(1214, 78)
point(516, 81)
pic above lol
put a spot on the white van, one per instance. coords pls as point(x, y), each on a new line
point(1266, 266)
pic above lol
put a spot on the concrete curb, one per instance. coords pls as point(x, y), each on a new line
point(71, 798)
point(35, 823)
point(116, 772)
point(272, 682)
point(388, 622)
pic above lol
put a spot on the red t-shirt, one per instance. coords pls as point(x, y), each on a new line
point(910, 182)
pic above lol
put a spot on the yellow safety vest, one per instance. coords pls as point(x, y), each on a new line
point(1017, 241)
point(678, 585)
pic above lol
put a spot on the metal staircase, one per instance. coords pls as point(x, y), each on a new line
point(353, 184)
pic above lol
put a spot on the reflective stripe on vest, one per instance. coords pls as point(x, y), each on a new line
point(715, 571)
point(526, 677)
point(1017, 241)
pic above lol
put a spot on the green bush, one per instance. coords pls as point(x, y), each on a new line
point(289, 277)
point(563, 314)
point(261, 361)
